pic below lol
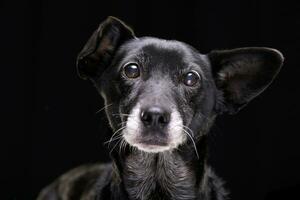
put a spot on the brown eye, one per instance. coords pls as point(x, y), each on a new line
point(131, 70)
point(191, 78)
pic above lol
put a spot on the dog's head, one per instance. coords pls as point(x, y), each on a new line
point(161, 93)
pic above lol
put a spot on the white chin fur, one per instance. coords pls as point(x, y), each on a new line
point(133, 130)
point(151, 148)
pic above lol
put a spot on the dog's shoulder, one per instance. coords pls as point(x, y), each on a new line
point(82, 181)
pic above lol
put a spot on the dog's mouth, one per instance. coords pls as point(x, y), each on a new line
point(151, 144)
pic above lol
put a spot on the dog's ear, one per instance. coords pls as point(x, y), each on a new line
point(97, 53)
point(242, 74)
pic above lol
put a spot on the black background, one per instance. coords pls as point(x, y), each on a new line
point(49, 116)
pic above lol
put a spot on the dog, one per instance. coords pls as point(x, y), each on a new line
point(161, 98)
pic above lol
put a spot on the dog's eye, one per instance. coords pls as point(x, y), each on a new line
point(191, 78)
point(131, 70)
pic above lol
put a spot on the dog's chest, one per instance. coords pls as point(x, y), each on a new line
point(161, 177)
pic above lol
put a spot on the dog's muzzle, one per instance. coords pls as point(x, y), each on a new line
point(154, 128)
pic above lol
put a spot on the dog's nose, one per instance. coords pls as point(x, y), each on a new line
point(155, 117)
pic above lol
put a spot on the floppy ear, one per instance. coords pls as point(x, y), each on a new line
point(242, 74)
point(99, 50)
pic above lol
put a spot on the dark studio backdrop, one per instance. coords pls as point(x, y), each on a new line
point(50, 121)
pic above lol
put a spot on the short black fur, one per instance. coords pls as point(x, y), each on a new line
point(229, 79)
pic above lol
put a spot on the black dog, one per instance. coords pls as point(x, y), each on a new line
point(161, 99)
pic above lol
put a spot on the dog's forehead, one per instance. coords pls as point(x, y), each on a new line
point(170, 53)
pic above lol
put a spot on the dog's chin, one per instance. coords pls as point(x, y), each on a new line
point(151, 145)
point(151, 148)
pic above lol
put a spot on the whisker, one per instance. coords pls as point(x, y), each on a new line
point(190, 136)
point(115, 134)
point(103, 108)
point(120, 146)
point(115, 138)
point(124, 114)
point(192, 132)
point(196, 151)
point(121, 123)
point(114, 146)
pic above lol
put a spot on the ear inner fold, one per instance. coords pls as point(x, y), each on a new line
point(98, 51)
point(242, 74)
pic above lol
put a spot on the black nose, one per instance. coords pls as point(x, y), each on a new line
point(155, 117)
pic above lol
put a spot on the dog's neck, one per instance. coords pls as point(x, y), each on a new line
point(159, 176)
point(169, 175)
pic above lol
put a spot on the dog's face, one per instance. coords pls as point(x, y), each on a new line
point(162, 85)
point(161, 94)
